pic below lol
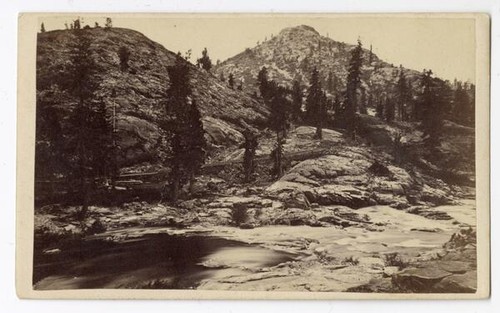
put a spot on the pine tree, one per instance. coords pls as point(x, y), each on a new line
point(196, 145)
point(313, 98)
point(461, 104)
point(183, 123)
point(76, 24)
point(297, 96)
point(263, 82)
point(250, 145)
point(278, 122)
point(320, 118)
point(222, 78)
point(109, 23)
point(49, 150)
point(316, 103)
point(431, 103)
point(204, 62)
point(380, 109)
point(403, 96)
point(353, 84)
point(363, 102)
point(89, 139)
point(472, 105)
point(42, 28)
point(329, 82)
point(389, 109)
point(230, 81)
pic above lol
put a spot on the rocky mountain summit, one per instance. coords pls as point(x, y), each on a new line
point(295, 51)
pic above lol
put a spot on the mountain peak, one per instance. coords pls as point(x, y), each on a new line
point(303, 29)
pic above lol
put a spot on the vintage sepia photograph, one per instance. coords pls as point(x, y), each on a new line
point(313, 154)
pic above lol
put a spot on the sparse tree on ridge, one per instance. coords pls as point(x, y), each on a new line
point(42, 28)
point(109, 23)
point(204, 62)
point(76, 24)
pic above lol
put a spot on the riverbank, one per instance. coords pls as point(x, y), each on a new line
point(361, 256)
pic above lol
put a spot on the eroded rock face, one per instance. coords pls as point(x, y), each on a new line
point(419, 279)
point(219, 132)
point(136, 96)
point(464, 283)
point(454, 272)
point(347, 178)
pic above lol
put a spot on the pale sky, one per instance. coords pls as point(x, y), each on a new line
point(445, 45)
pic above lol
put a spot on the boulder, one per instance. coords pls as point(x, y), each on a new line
point(430, 213)
point(247, 226)
point(419, 279)
point(342, 195)
point(461, 239)
point(390, 270)
point(296, 217)
point(454, 267)
point(308, 132)
point(219, 132)
point(436, 196)
point(464, 283)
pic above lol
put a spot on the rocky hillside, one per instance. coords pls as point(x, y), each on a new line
point(295, 51)
point(138, 93)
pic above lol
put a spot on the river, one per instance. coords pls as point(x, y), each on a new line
point(156, 261)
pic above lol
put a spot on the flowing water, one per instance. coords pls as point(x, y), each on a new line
point(159, 261)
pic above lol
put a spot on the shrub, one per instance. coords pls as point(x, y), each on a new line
point(350, 261)
point(97, 227)
point(394, 259)
point(239, 213)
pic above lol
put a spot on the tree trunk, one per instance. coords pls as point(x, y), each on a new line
point(192, 180)
point(279, 167)
point(319, 132)
point(175, 189)
point(85, 200)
